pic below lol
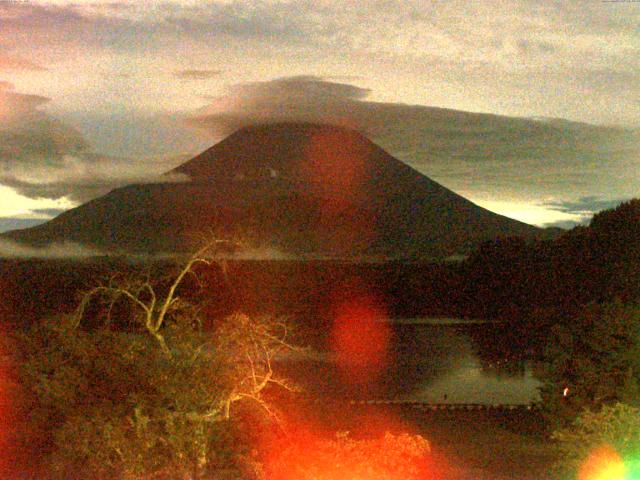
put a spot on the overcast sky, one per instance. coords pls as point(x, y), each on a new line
point(96, 94)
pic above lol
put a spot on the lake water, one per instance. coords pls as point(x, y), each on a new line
point(430, 360)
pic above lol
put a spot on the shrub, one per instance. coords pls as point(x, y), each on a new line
point(391, 457)
point(151, 402)
point(115, 405)
point(602, 444)
point(597, 357)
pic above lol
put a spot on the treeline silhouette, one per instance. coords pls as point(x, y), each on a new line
point(529, 285)
point(589, 263)
point(537, 284)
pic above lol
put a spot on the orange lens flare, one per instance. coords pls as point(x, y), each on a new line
point(372, 443)
point(386, 457)
point(336, 164)
point(7, 420)
point(335, 168)
point(603, 463)
point(360, 339)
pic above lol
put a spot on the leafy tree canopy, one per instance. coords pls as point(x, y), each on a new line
point(596, 357)
point(601, 444)
point(153, 402)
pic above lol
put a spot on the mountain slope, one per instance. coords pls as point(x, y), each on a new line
point(300, 188)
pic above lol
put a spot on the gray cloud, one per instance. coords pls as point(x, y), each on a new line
point(529, 59)
point(408, 27)
point(11, 63)
point(9, 249)
point(41, 157)
point(564, 224)
point(7, 224)
point(49, 212)
point(85, 27)
point(83, 178)
point(490, 156)
point(584, 206)
point(304, 98)
point(15, 106)
point(30, 140)
point(276, 21)
point(533, 47)
point(125, 26)
point(197, 74)
point(156, 139)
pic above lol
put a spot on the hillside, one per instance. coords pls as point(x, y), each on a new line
point(294, 188)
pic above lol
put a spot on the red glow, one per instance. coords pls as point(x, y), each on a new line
point(335, 167)
point(603, 463)
point(336, 164)
point(385, 457)
point(7, 420)
point(372, 443)
point(360, 338)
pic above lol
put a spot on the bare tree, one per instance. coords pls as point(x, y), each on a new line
point(170, 387)
point(249, 347)
point(143, 294)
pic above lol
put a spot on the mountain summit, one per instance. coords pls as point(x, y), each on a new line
point(299, 188)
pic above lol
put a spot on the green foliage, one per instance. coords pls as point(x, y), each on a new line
point(614, 428)
point(597, 357)
point(152, 402)
point(117, 405)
